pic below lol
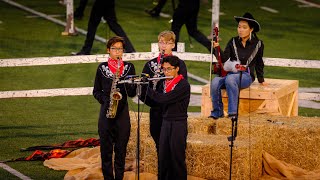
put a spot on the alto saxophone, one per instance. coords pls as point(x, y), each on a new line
point(158, 72)
point(115, 95)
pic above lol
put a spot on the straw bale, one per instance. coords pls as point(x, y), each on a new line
point(208, 156)
point(201, 125)
point(150, 156)
point(295, 140)
point(144, 133)
point(195, 125)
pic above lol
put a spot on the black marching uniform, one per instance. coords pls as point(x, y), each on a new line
point(155, 114)
point(114, 132)
point(174, 130)
point(105, 9)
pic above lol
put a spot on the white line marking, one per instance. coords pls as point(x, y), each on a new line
point(269, 9)
point(14, 172)
point(52, 19)
point(310, 4)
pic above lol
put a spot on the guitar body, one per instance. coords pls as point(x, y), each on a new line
point(218, 66)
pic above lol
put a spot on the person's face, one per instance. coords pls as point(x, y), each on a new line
point(165, 46)
point(244, 29)
point(170, 70)
point(116, 50)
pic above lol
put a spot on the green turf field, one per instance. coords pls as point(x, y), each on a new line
point(291, 33)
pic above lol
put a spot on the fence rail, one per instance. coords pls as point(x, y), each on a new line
point(202, 57)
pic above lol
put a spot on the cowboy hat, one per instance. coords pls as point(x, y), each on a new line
point(249, 18)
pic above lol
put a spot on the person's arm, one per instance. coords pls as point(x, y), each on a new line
point(260, 64)
point(98, 89)
point(131, 88)
point(228, 52)
point(143, 96)
point(181, 91)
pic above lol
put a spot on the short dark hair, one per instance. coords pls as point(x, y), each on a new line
point(114, 40)
point(172, 60)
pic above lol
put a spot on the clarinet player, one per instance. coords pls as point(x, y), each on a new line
point(166, 42)
point(114, 120)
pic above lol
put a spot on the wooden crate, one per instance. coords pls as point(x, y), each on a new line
point(279, 97)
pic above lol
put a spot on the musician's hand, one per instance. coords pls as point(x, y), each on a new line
point(215, 44)
point(240, 67)
point(264, 83)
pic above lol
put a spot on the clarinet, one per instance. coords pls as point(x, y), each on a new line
point(158, 72)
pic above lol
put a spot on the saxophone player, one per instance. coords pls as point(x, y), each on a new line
point(114, 131)
point(166, 42)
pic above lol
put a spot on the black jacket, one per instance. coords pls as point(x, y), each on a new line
point(174, 103)
point(150, 68)
point(244, 53)
point(103, 83)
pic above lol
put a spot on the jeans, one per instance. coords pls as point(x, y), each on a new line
point(231, 83)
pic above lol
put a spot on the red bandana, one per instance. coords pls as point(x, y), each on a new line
point(164, 55)
point(113, 65)
point(170, 84)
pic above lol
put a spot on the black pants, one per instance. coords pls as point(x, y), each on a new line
point(105, 9)
point(114, 136)
point(172, 153)
point(159, 6)
point(155, 125)
point(188, 15)
point(82, 6)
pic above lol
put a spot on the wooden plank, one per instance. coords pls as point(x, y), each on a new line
point(292, 103)
point(202, 57)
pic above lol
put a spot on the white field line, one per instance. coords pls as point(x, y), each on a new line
point(51, 18)
point(269, 9)
point(14, 172)
point(308, 4)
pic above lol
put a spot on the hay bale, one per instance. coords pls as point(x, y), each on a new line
point(295, 140)
point(144, 133)
point(208, 156)
point(201, 125)
point(150, 156)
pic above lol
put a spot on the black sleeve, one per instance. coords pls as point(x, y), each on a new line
point(180, 92)
point(143, 96)
point(227, 53)
point(131, 88)
point(260, 64)
point(98, 89)
point(183, 69)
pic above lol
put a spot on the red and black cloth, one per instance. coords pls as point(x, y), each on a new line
point(56, 151)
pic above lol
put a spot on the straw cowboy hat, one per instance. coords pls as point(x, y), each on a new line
point(249, 18)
